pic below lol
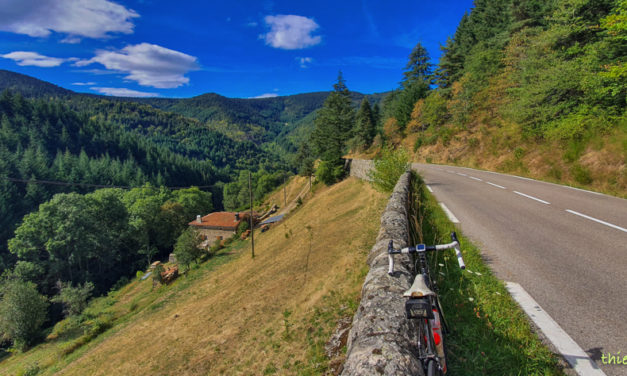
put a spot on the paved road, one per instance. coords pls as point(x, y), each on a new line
point(575, 267)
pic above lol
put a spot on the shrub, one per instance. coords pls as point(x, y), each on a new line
point(329, 172)
point(187, 247)
point(217, 245)
point(418, 143)
point(388, 169)
point(74, 299)
point(22, 312)
point(156, 274)
point(581, 174)
point(473, 142)
point(242, 227)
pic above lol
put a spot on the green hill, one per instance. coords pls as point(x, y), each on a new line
point(531, 87)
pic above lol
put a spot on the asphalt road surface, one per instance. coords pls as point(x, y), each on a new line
point(566, 247)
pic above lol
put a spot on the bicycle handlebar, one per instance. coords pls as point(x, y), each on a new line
point(424, 248)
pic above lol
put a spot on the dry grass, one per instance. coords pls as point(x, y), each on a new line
point(503, 149)
point(248, 316)
point(297, 186)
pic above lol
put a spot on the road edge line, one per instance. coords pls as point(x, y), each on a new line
point(570, 350)
point(449, 213)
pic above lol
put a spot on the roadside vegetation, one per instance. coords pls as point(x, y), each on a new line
point(534, 88)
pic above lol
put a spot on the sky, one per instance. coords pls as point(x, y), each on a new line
point(242, 49)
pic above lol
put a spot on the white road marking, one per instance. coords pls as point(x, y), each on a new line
point(450, 172)
point(449, 214)
point(570, 350)
point(597, 220)
point(474, 178)
point(584, 190)
point(429, 188)
point(460, 174)
point(495, 185)
point(533, 198)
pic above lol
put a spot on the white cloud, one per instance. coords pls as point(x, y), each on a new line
point(147, 64)
point(24, 58)
point(83, 83)
point(76, 18)
point(266, 95)
point(123, 92)
point(304, 61)
point(291, 32)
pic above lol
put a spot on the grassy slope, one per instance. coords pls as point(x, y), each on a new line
point(599, 163)
point(233, 314)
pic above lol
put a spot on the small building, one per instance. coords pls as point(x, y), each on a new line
point(218, 225)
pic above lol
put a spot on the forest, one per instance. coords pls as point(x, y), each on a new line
point(529, 87)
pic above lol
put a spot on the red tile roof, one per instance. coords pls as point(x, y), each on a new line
point(223, 220)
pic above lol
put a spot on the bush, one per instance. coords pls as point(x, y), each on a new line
point(388, 169)
point(156, 274)
point(187, 247)
point(242, 227)
point(74, 299)
point(581, 174)
point(418, 143)
point(329, 172)
point(22, 312)
point(217, 245)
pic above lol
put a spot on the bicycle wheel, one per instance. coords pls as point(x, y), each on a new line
point(432, 368)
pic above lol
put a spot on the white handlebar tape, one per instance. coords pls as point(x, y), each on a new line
point(460, 259)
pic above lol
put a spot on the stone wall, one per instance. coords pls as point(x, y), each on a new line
point(381, 338)
point(359, 168)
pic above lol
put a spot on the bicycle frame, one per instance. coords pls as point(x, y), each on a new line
point(431, 321)
point(425, 329)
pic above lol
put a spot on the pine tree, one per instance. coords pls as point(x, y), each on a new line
point(418, 68)
point(415, 85)
point(365, 127)
point(334, 124)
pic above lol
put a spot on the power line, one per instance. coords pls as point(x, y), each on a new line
point(86, 185)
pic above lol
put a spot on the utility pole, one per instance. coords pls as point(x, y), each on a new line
point(284, 192)
point(252, 222)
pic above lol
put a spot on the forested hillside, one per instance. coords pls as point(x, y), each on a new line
point(278, 123)
point(532, 87)
point(523, 86)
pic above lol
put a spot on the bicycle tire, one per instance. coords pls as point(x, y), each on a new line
point(432, 369)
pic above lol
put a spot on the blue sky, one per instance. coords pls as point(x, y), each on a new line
point(235, 48)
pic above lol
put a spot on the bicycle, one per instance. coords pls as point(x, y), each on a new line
point(423, 305)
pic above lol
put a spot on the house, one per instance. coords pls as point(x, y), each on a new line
point(218, 225)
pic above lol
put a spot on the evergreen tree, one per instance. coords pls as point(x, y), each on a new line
point(365, 127)
point(304, 160)
point(334, 124)
point(415, 85)
point(418, 69)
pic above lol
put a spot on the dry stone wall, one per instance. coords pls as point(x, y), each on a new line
point(359, 168)
point(381, 340)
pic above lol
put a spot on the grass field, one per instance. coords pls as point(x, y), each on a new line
point(232, 314)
